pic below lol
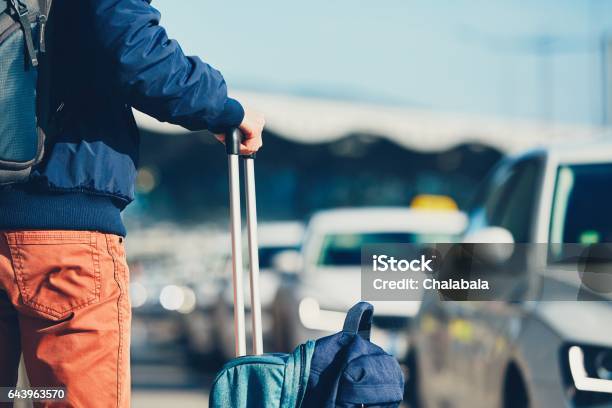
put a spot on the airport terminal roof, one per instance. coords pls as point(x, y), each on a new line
point(313, 120)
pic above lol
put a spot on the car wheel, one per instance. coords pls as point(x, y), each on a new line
point(515, 389)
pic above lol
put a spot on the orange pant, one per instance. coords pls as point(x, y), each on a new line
point(64, 304)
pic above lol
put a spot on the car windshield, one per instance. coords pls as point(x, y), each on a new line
point(581, 207)
point(345, 249)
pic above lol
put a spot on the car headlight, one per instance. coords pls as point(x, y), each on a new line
point(177, 298)
point(591, 368)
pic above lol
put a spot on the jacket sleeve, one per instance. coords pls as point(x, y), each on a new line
point(154, 73)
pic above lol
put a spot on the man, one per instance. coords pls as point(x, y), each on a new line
point(63, 274)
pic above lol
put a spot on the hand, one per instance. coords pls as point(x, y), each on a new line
point(252, 126)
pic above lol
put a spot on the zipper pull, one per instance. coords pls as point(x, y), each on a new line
point(42, 20)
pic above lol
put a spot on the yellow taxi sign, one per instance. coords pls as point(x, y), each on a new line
point(433, 202)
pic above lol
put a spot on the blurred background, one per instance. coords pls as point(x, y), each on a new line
point(383, 121)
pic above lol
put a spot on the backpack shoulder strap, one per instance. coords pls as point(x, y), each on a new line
point(45, 110)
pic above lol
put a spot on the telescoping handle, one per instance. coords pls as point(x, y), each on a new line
point(232, 143)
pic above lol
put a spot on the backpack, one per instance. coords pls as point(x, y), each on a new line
point(22, 69)
point(342, 370)
point(347, 370)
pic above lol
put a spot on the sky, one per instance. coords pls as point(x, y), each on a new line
point(536, 60)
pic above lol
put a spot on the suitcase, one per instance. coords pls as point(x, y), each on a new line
point(258, 380)
point(341, 370)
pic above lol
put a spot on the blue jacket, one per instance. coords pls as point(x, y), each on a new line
point(107, 57)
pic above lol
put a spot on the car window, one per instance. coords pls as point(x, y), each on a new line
point(511, 204)
point(581, 204)
point(345, 249)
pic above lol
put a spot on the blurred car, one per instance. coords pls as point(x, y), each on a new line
point(525, 353)
point(153, 324)
point(165, 262)
point(314, 302)
point(275, 238)
point(199, 322)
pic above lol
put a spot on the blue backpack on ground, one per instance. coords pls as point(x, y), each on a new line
point(342, 370)
point(347, 370)
point(22, 55)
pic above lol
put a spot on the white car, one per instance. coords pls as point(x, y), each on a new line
point(274, 238)
point(529, 352)
point(314, 302)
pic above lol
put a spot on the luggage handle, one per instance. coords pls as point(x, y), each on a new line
point(359, 320)
point(232, 144)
